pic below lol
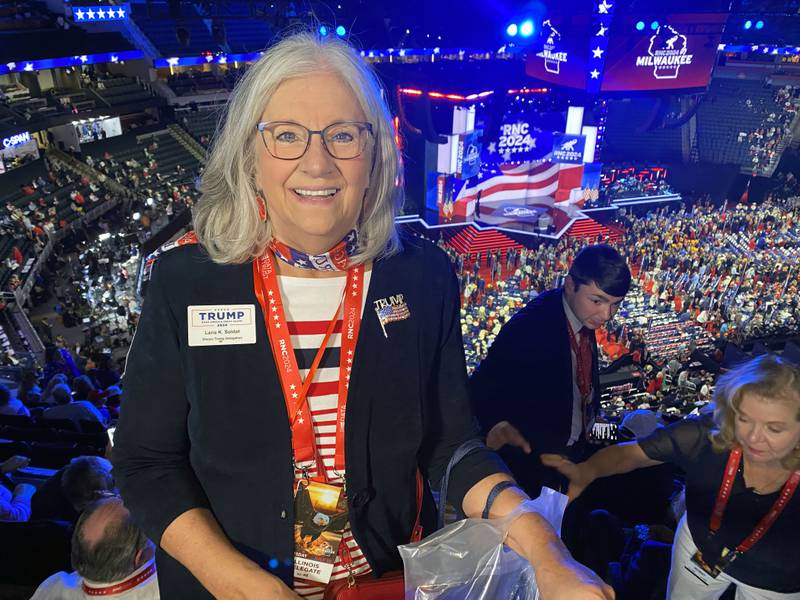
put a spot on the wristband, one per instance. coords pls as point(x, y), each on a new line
point(503, 485)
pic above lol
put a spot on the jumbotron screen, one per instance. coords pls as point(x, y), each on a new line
point(678, 54)
point(560, 55)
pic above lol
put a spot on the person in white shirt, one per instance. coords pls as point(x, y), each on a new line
point(16, 505)
point(111, 556)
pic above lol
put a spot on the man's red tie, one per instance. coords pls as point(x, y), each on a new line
point(584, 358)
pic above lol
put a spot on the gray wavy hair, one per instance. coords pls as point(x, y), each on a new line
point(226, 218)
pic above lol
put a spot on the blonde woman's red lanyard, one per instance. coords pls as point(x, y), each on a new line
point(766, 522)
point(295, 391)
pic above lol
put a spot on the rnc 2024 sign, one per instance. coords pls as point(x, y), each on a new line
point(568, 148)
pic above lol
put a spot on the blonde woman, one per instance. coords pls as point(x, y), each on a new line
point(742, 521)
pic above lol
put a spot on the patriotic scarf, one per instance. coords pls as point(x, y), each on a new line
point(334, 259)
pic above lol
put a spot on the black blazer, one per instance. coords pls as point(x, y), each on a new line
point(207, 426)
point(526, 378)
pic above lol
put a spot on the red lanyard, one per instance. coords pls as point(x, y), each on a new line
point(768, 520)
point(295, 391)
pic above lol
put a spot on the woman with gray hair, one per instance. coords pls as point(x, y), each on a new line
point(298, 372)
point(742, 518)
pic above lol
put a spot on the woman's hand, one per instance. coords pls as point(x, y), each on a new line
point(572, 581)
point(580, 475)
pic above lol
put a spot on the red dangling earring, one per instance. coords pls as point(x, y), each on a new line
point(262, 208)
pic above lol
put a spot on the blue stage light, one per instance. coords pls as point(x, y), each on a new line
point(640, 26)
point(748, 24)
point(512, 30)
point(759, 24)
point(323, 31)
point(526, 29)
point(340, 30)
point(654, 25)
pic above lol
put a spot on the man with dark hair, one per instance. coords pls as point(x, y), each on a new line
point(64, 495)
point(537, 391)
point(111, 557)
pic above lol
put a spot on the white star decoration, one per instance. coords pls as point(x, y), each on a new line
point(602, 31)
point(90, 14)
point(11, 66)
point(114, 58)
point(83, 58)
point(595, 74)
point(492, 148)
point(28, 67)
point(79, 13)
point(121, 13)
point(506, 155)
point(292, 387)
point(301, 421)
point(603, 7)
point(101, 14)
point(173, 61)
point(597, 52)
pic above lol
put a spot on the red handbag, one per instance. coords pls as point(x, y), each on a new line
point(389, 586)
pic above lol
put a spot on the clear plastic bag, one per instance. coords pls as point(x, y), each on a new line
point(467, 560)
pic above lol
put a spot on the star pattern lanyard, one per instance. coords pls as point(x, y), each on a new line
point(767, 521)
point(295, 391)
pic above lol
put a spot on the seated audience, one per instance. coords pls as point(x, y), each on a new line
point(74, 410)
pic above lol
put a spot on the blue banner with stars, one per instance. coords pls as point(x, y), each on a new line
point(96, 14)
point(598, 46)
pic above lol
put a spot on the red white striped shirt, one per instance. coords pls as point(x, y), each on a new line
point(309, 304)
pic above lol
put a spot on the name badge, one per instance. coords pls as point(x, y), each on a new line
point(221, 324)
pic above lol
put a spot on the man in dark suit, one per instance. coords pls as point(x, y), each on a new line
point(538, 389)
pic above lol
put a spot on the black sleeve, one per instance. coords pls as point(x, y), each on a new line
point(151, 451)
point(680, 443)
point(494, 388)
point(449, 421)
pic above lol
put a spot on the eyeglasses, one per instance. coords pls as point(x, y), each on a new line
point(290, 141)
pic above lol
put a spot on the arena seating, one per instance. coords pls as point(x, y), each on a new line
point(155, 21)
point(201, 125)
point(734, 111)
point(121, 90)
point(624, 138)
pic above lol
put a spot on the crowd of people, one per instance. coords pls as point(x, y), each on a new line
point(764, 143)
point(42, 207)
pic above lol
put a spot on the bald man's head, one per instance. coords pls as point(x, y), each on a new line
point(107, 545)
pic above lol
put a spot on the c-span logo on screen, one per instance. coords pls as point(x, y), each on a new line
point(551, 53)
point(668, 50)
